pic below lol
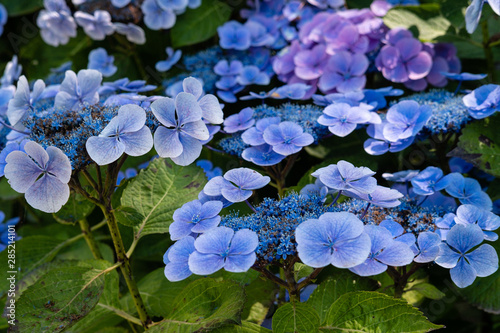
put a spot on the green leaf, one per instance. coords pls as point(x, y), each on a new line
point(22, 7)
point(6, 192)
point(157, 293)
point(77, 208)
point(301, 271)
point(454, 11)
point(332, 288)
point(31, 252)
point(295, 317)
point(428, 290)
point(480, 145)
point(158, 191)
point(60, 297)
point(485, 292)
point(245, 327)
point(369, 312)
point(204, 304)
point(198, 25)
point(426, 18)
point(261, 295)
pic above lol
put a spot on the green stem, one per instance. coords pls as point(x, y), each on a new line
point(125, 267)
point(122, 314)
point(488, 53)
point(89, 238)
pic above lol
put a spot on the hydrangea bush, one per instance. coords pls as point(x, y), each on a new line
point(258, 166)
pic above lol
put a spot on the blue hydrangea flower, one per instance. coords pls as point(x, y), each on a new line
point(77, 90)
point(23, 101)
point(42, 175)
point(317, 189)
point(376, 97)
point(173, 57)
point(287, 138)
point(254, 136)
point(473, 13)
point(236, 185)
point(128, 174)
point(225, 68)
point(157, 17)
point(464, 76)
point(385, 251)
point(345, 176)
point(4, 230)
point(120, 3)
point(11, 72)
point(96, 26)
point(209, 169)
point(459, 165)
point(176, 259)
point(428, 247)
point(6, 94)
point(465, 264)
point(378, 143)
point(405, 119)
point(102, 62)
point(487, 221)
point(56, 23)
point(125, 133)
point(3, 17)
point(234, 35)
point(398, 233)
point(334, 238)
point(262, 155)
point(381, 196)
point(134, 33)
point(467, 190)
point(342, 119)
point(401, 176)
point(221, 247)
point(240, 121)
point(179, 137)
point(9, 148)
point(125, 84)
point(252, 75)
point(210, 107)
point(429, 181)
point(444, 225)
point(483, 101)
point(290, 91)
point(195, 217)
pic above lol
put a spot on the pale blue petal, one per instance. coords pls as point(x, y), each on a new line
point(167, 142)
point(211, 110)
point(369, 268)
point(137, 143)
point(89, 81)
point(191, 150)
point(244, 241)
point(131, 118)
point(21, 171)
point(240, 263)
point(484, 260)
point(205, 264)
point(352, 252)
point(215, 241)
point(396, 254)
point(177, 271)
point(104, 150)
point(164, 111)
point(192, 86)
point(48, 194)
point(463, 274)
point(447, 257)
point(188, 109)
point(59, 164)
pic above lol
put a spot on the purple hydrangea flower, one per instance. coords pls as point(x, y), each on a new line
point(429, 180)
point(345, 176)
point(134, 33)
point(221, 247)
point(195, 217)
point(96, 26)
point(234, 35)
point(157, 17)
point(334, 238)
point(403, 60)
point(240, 121)
point(467, 191)
point(176, 259)
point(102, 62)
point(483, 101)
point(179, 137)
point(125, 133)
point(287, 138)
point(78, 89)
point(172, 59)
point(236, 185)
point(344, 72)
point(342, 119)
point(385, 251)
point(465, 264)
point(23, 101)
point(259, 34)
point(262, 155)
point(42, 175)
point(487, 221)
point(405, 119)
point(310, 64)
